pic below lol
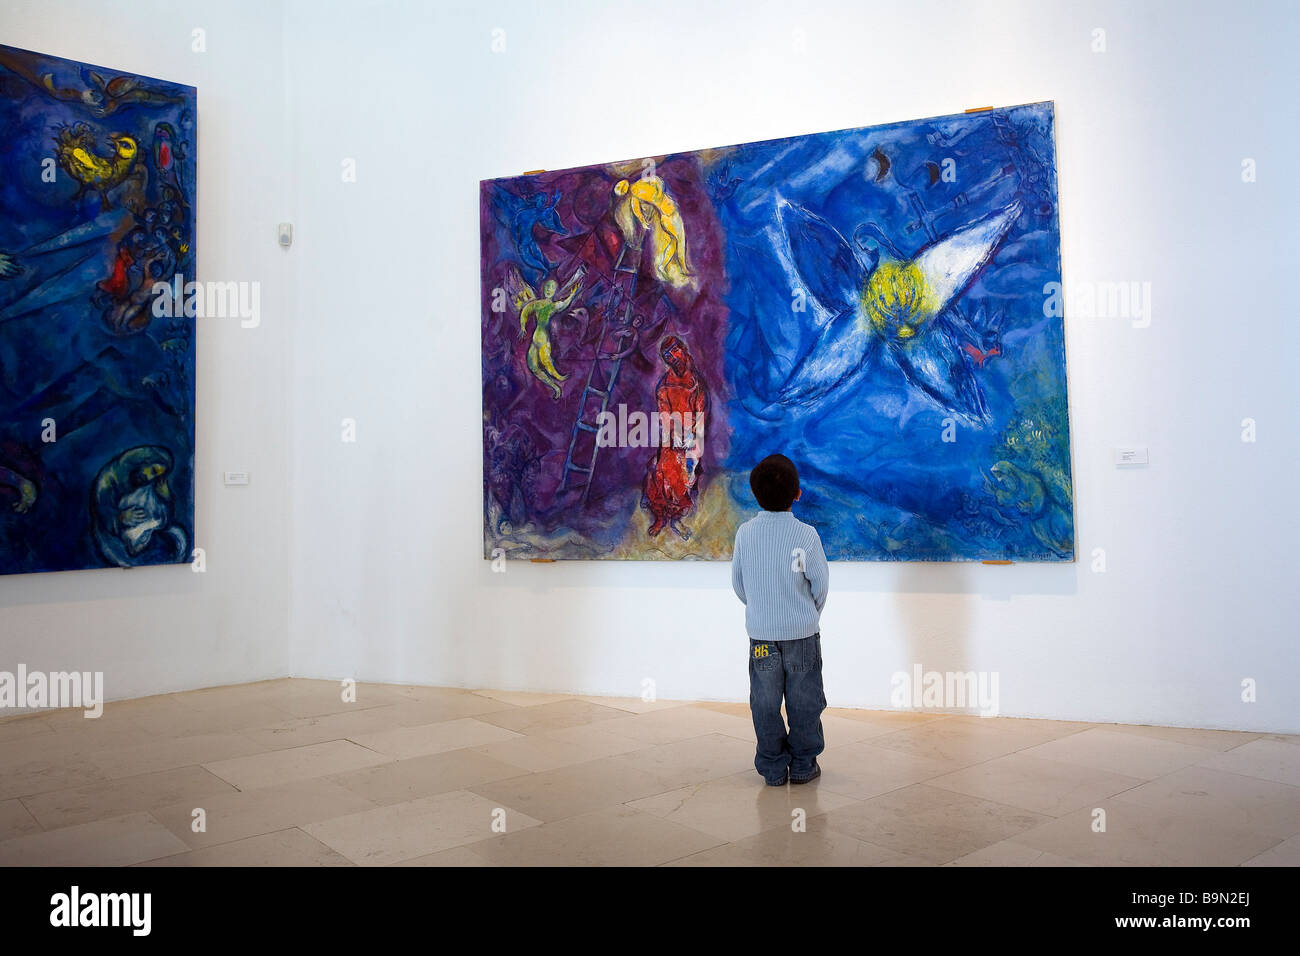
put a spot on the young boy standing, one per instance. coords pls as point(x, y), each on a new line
point(779, 572)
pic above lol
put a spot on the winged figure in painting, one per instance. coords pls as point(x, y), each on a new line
point(539, 310)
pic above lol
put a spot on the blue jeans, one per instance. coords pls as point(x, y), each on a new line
point(792, 669)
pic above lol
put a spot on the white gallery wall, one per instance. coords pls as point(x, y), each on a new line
point(1197, 594)
point(363, 559)
point(151, 630)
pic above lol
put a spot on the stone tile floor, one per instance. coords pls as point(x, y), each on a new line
point(286, 772)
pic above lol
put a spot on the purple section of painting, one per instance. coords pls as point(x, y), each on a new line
point(527, 432)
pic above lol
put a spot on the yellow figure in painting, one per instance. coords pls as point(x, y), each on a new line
point(74, 148)
point(540, 311)
point(647, 201)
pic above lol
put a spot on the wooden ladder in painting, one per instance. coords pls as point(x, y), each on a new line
point(622, 296)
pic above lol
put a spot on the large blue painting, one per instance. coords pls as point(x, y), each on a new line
point(97, 208)
point(878, 304)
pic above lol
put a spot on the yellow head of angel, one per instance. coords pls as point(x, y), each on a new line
point(897, 300)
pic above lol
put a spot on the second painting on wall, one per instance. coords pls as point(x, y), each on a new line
point(874, 303)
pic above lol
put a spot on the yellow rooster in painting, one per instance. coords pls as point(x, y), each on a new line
point(74, 147)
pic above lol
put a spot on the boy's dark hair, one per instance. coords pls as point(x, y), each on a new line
point(775, 483)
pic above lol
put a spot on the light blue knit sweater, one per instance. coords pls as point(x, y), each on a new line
point(779, 572)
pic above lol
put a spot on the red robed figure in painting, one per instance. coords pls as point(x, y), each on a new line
point(682, 399)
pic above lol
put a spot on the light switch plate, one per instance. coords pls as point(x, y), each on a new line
point(236, 477)
point(1131, 455)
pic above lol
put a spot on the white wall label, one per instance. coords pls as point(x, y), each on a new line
point(1131, 456)
point(236, 477)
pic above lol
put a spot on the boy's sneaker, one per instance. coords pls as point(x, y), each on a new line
point(816, 772)
point(778, 783)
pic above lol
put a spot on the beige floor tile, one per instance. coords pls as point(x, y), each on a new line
point(415, 777)
point(417, 828)
point(1266, 759)
point(1008, 853)
point(636, 705)
point(971, 740)
point(1032, 783)
point(862, 770)
point(181, 718)
point(539, 753)
point(560, 748)
point(1292, 739)
point(1223, 799)
point(691, 761)
point(24, 725)
point(818, 845)
point(727, 707)
point(242, 814)
point(456, 856)
point(1133, 755)
point(450, 697)
point(41, 776)
point(738, 806)
point(936, 825)
point(434, 738)
point(1141, 836)
point(281, 848)
point(71, 747)
point(844, 730)
point(554, 716)
point(614, 836)
point(118, 716)
point(296, 763)
point(887, 721)
point(431, 710)
point(298, 732)
point(15, 820)
point(427, 693)
point(257, 692)
point(1040, 729)
point(520, 698)
point(568, 791)
point(1209, 739)
point(113, 798)
point(74, 719)
point(679, 723)
point(304, 731)
point(595, 741)
point(321, 685)
point(115, 841)
point(169, 753)
point(316, 698)
point(1286, 853)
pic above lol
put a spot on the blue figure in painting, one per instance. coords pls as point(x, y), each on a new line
point(521, 215)
point(97, 184)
